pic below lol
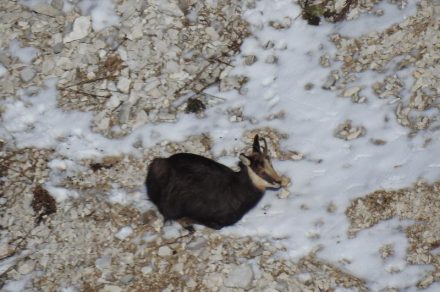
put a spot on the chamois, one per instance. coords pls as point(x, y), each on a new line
point(194, 189)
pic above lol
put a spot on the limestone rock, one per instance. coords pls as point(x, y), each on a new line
point(81, 28)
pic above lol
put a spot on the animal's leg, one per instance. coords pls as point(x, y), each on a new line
point(187, 224)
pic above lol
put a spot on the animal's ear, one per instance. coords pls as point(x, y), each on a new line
point(256, 145)
point(244, 159)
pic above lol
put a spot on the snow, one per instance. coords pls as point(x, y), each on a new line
point(348, 169)
point(2, 70)
point(25, 54)
point(102, 12)
point(17, 286)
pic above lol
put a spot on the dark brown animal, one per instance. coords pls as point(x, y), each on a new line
point(196, 189)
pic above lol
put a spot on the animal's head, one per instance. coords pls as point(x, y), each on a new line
point(260, 167)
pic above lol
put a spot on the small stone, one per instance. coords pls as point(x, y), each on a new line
point(4, 59)
point(104, 262)
point(81, 28)
point(126, 279)
point(250, 59)
point(240, 277)
point(271, 59)
point(378, 141)
point(57, 48)
point(47, 66)
point(427, 281)
point(331, 207)
point(27, 74)
point(124, 84)
point(58, 4)
point(164, 251)
point(111, 288)
point(283, 194)
point(309, 86)
point(46, 9)
point(351, 91)
point(324, 61)
point(26, 267)
point(124, 232)
point(147, 269)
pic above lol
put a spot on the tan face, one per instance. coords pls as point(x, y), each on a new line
point(260, 168)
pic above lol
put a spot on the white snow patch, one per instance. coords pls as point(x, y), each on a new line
point(25, 54)
point(61, 194)
point(18, 285)
point(3, 70)
point(102, 12)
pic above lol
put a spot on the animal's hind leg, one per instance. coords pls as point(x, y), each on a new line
point(187, 224)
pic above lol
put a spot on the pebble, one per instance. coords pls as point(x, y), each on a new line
point(26, 267)
point(111, 288)
point(58, 4)
point(46, 9)
point(27, 74)
point(164, 251)
point(81, 28)
point(124, 84)
point(147, 269)
point(240, 277)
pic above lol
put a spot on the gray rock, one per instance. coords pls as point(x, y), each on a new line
point(27, 74)
point(47, 9)
point(111, 288)
point(240, 277)
point(127, 279)
point(4, 59)
point(81, 28)
point(164, 251)
point(124, 84)
point(47, 66)
point(57, 4)
point(57, 48)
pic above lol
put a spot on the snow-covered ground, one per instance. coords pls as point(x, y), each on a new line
point(333, 170)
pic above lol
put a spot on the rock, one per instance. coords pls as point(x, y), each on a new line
point(240, 277)
point(4, 59)
point(352, 91)
point(124, 232)
point(164, 251)
point(283, 194)
point(111, 288)
point(47, 66)
point(58, 4)
point(250, 59)
point(26, 267)
point(213, 280)
point(27, 74)
point(104, 262)
point(57, 48)
point(147, 269)
point(81, 28)
point(126, 279)
point(124, 84)
point(46, 9)
point(271, 59)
